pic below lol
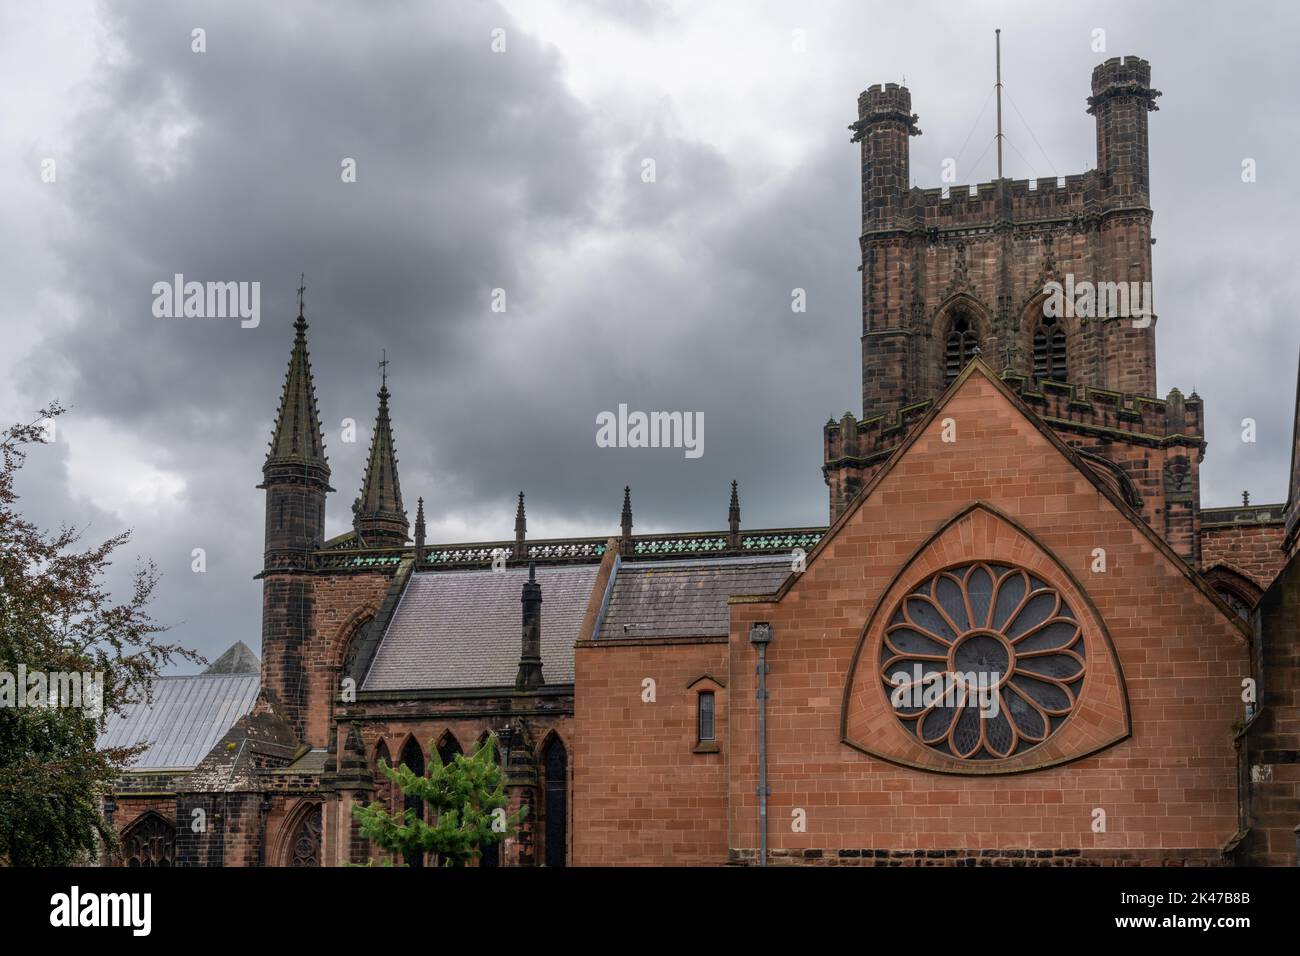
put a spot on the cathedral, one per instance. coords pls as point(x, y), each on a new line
point(1020, 640)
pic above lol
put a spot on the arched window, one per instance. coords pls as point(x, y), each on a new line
point(1049, 351)
point(959, 348)
point(1237, 591)
point(489, 855)
point(413, 757)
point(304, 849)
point(555, 770)
point(448, 747)
point(1239, 605)
point(149, 842)
point(706, 723)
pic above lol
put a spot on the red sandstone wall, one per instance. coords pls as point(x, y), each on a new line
point(1169, 791)
point(642, 797)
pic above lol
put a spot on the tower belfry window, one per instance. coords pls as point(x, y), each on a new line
point(1049, 351)
point(958, 349)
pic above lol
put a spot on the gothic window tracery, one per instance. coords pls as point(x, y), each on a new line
point(959, 347)
point(983, 661)
point(1050, 351)
point(1239, 605)
point(304, 850)
point(149, 842)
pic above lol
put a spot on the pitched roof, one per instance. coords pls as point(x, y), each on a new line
point(238, 659)
point(186, 719)
point(462, 629)
point(685, 598)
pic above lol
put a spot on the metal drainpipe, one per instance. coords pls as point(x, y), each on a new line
point(760, 635)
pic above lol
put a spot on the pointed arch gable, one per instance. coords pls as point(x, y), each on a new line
point(922, 431)
point(705, 677)
point(1096, 726)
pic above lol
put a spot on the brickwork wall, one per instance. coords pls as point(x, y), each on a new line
point(642, 795)
point(1253, 550)
point(1168, 791)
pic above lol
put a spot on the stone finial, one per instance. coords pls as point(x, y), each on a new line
point(625, 542)
point(419, 531)
point(521, 529)
point(733, 518)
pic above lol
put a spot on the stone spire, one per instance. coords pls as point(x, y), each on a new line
point(295, 477)
point(733, 519)
point(625, 542)
point(521, 529)
point(419, 531)
point(378, 516)
point(297, 443)
point(530, 656)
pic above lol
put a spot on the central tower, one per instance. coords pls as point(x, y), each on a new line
point(951, 273)
point(1047, 280)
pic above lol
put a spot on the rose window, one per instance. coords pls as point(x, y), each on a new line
point(983, 661)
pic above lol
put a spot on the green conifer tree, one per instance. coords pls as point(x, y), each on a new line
point(465, 798)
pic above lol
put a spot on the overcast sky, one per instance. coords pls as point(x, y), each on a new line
point(522, 170)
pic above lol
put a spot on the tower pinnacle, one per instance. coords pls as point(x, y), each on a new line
point(377, 515)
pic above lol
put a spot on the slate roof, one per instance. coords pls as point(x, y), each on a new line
point(187, 718)
point(462, 629)
point(685, 598)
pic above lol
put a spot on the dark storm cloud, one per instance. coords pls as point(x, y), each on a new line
point(479, 171)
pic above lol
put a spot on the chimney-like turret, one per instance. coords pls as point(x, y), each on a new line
point(530, 656)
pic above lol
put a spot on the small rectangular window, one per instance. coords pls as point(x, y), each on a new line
point(706, 715)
